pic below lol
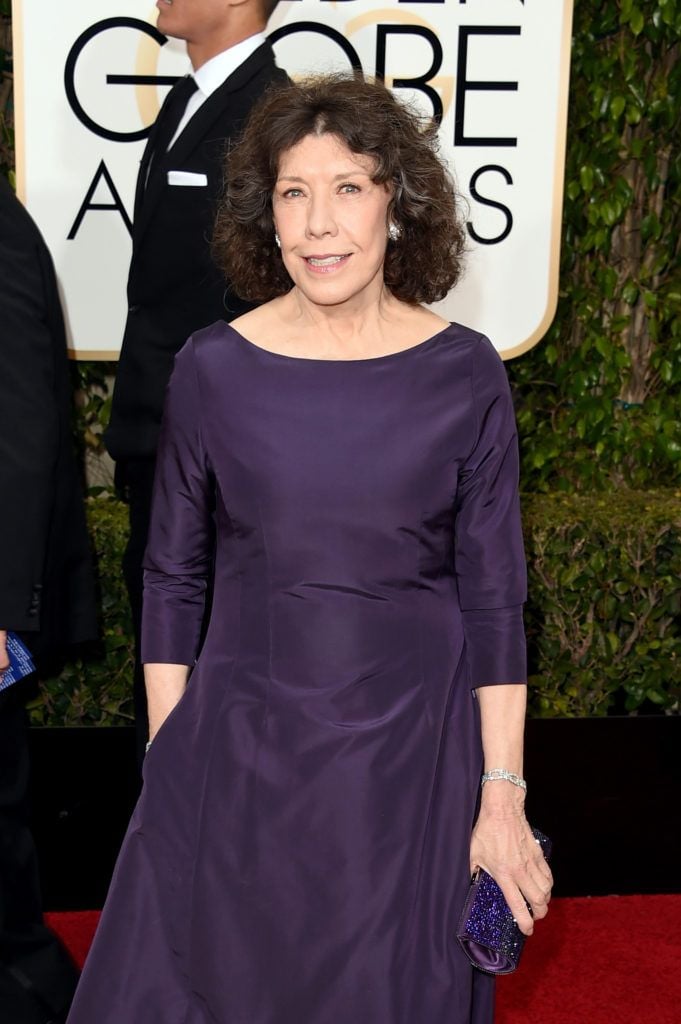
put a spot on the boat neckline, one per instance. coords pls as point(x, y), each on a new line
point(343, 362)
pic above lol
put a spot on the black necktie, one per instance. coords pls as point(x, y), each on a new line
point(171, 115)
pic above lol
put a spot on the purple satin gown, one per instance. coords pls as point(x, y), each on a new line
point(300, 851)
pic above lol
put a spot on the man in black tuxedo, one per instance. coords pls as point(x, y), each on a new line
point(173, 286)
point(46, 587)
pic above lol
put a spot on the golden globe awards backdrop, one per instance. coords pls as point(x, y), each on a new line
point(91, 75)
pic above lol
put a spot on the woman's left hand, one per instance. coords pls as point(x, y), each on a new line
point(4, 657)
point(503, 845)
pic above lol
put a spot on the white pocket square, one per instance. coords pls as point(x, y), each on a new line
point(187, 178)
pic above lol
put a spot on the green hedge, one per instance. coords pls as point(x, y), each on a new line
point(95, 688)
point(603, 618)
point(604, 612)
point(598, 399)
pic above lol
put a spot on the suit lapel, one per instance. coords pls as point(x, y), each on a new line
point(146, 159)
point(208, 112)
point(193, 135)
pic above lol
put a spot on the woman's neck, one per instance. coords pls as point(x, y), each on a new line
point(346, 329)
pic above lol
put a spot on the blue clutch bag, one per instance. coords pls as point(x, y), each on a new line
point(20, 663)
point(487, 931)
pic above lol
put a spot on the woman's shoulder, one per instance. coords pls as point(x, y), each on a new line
point(220, 339)
point(470, 345)
point(479, 361)
point(470, 354)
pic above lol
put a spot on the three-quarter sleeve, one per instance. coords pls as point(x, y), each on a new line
point(179, 553)
point(489, 554)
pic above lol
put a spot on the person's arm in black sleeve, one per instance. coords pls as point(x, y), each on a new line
point(29, 421)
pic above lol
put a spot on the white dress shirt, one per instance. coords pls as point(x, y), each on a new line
point(213, 73)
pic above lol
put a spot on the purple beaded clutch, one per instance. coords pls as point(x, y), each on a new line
point(487, 930)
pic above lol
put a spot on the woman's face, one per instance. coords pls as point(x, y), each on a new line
point(331, 219)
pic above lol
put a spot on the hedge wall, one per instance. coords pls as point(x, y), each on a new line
point(95, 687)
point(603, 618)
point(604, 612)
point(598, 399)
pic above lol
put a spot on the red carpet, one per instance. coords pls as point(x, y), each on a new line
point(606, 960)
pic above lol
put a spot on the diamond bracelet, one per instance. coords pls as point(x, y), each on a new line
point(501, 773)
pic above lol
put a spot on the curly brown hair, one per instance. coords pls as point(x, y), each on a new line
point(421, 265)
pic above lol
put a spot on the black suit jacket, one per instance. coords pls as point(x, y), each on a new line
point(46, 581)
point(173, 286)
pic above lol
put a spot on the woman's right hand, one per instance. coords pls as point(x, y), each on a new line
point(165, 685)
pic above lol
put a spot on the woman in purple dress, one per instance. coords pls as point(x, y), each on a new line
point(343, 462)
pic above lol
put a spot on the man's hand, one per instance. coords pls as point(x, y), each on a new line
point(4, 660)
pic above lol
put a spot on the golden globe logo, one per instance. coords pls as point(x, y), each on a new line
point(494, 73)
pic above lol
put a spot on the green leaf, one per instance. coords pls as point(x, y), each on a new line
point(666, 371)
point(630, 293)
point(636, 21)
point(613, 642)
point(617, 107)
point(586, 177)
point(603, 346)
